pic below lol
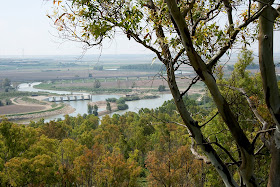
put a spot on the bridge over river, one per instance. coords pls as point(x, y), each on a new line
point(69, 98)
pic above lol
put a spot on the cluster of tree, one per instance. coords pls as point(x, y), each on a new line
point(108, 107)
point(121, 104)
point(5, 102)
point(121, 101)
point(131, 98)
point(6, 85)
point(113, 100)
point(98, 67)
point(150, 96)
point(161, 88)
point(134, 85)
point(128, 150)
point(93, 109)
point(145, 67)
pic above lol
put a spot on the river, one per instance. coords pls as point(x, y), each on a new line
point(81, 106)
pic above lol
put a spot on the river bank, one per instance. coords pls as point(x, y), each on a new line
point(80, 107)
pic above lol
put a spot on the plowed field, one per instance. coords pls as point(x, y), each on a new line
point(15, 109)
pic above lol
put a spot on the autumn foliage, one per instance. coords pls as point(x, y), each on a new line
point(126, 150)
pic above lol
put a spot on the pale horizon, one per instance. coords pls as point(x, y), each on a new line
point(27, 31)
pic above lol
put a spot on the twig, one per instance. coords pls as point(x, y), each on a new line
point(226, 151)
point(259, 150)
point(260, 132)
point(209, 119)
point(178, 55)
point(257, 115)
point(206, 18)
point(192, 83)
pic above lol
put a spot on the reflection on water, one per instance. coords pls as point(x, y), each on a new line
point(81, 105)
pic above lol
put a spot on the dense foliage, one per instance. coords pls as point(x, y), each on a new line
point(128, 150)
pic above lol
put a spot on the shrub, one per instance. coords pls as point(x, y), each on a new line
point(96, 84)
point(122, 106)
point(161, 88)
point(8, 102)
point(112, 100)
point(121, 100)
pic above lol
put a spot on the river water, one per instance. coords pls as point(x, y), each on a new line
point(81, 106)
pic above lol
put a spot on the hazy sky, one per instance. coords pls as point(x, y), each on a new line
point(25, 29)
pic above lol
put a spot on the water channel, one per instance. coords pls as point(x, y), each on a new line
point(81, 105)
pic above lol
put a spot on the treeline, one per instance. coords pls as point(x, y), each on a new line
point(144, 149)
point(154, 67)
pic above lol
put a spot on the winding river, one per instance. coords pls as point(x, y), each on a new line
point(81, 106)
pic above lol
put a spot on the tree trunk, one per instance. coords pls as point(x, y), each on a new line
point(246, 148)
point(196, 132)
point(270, 87)
point(274, 172)
point(267, 67)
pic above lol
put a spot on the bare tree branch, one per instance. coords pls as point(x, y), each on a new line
point(137, 39)
point(197, 155)
point(194, 81)
point(259, 150)
point(205, 123)
point(257, 115)
point(261, 132)
point(178, 55)
point(227, 152)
